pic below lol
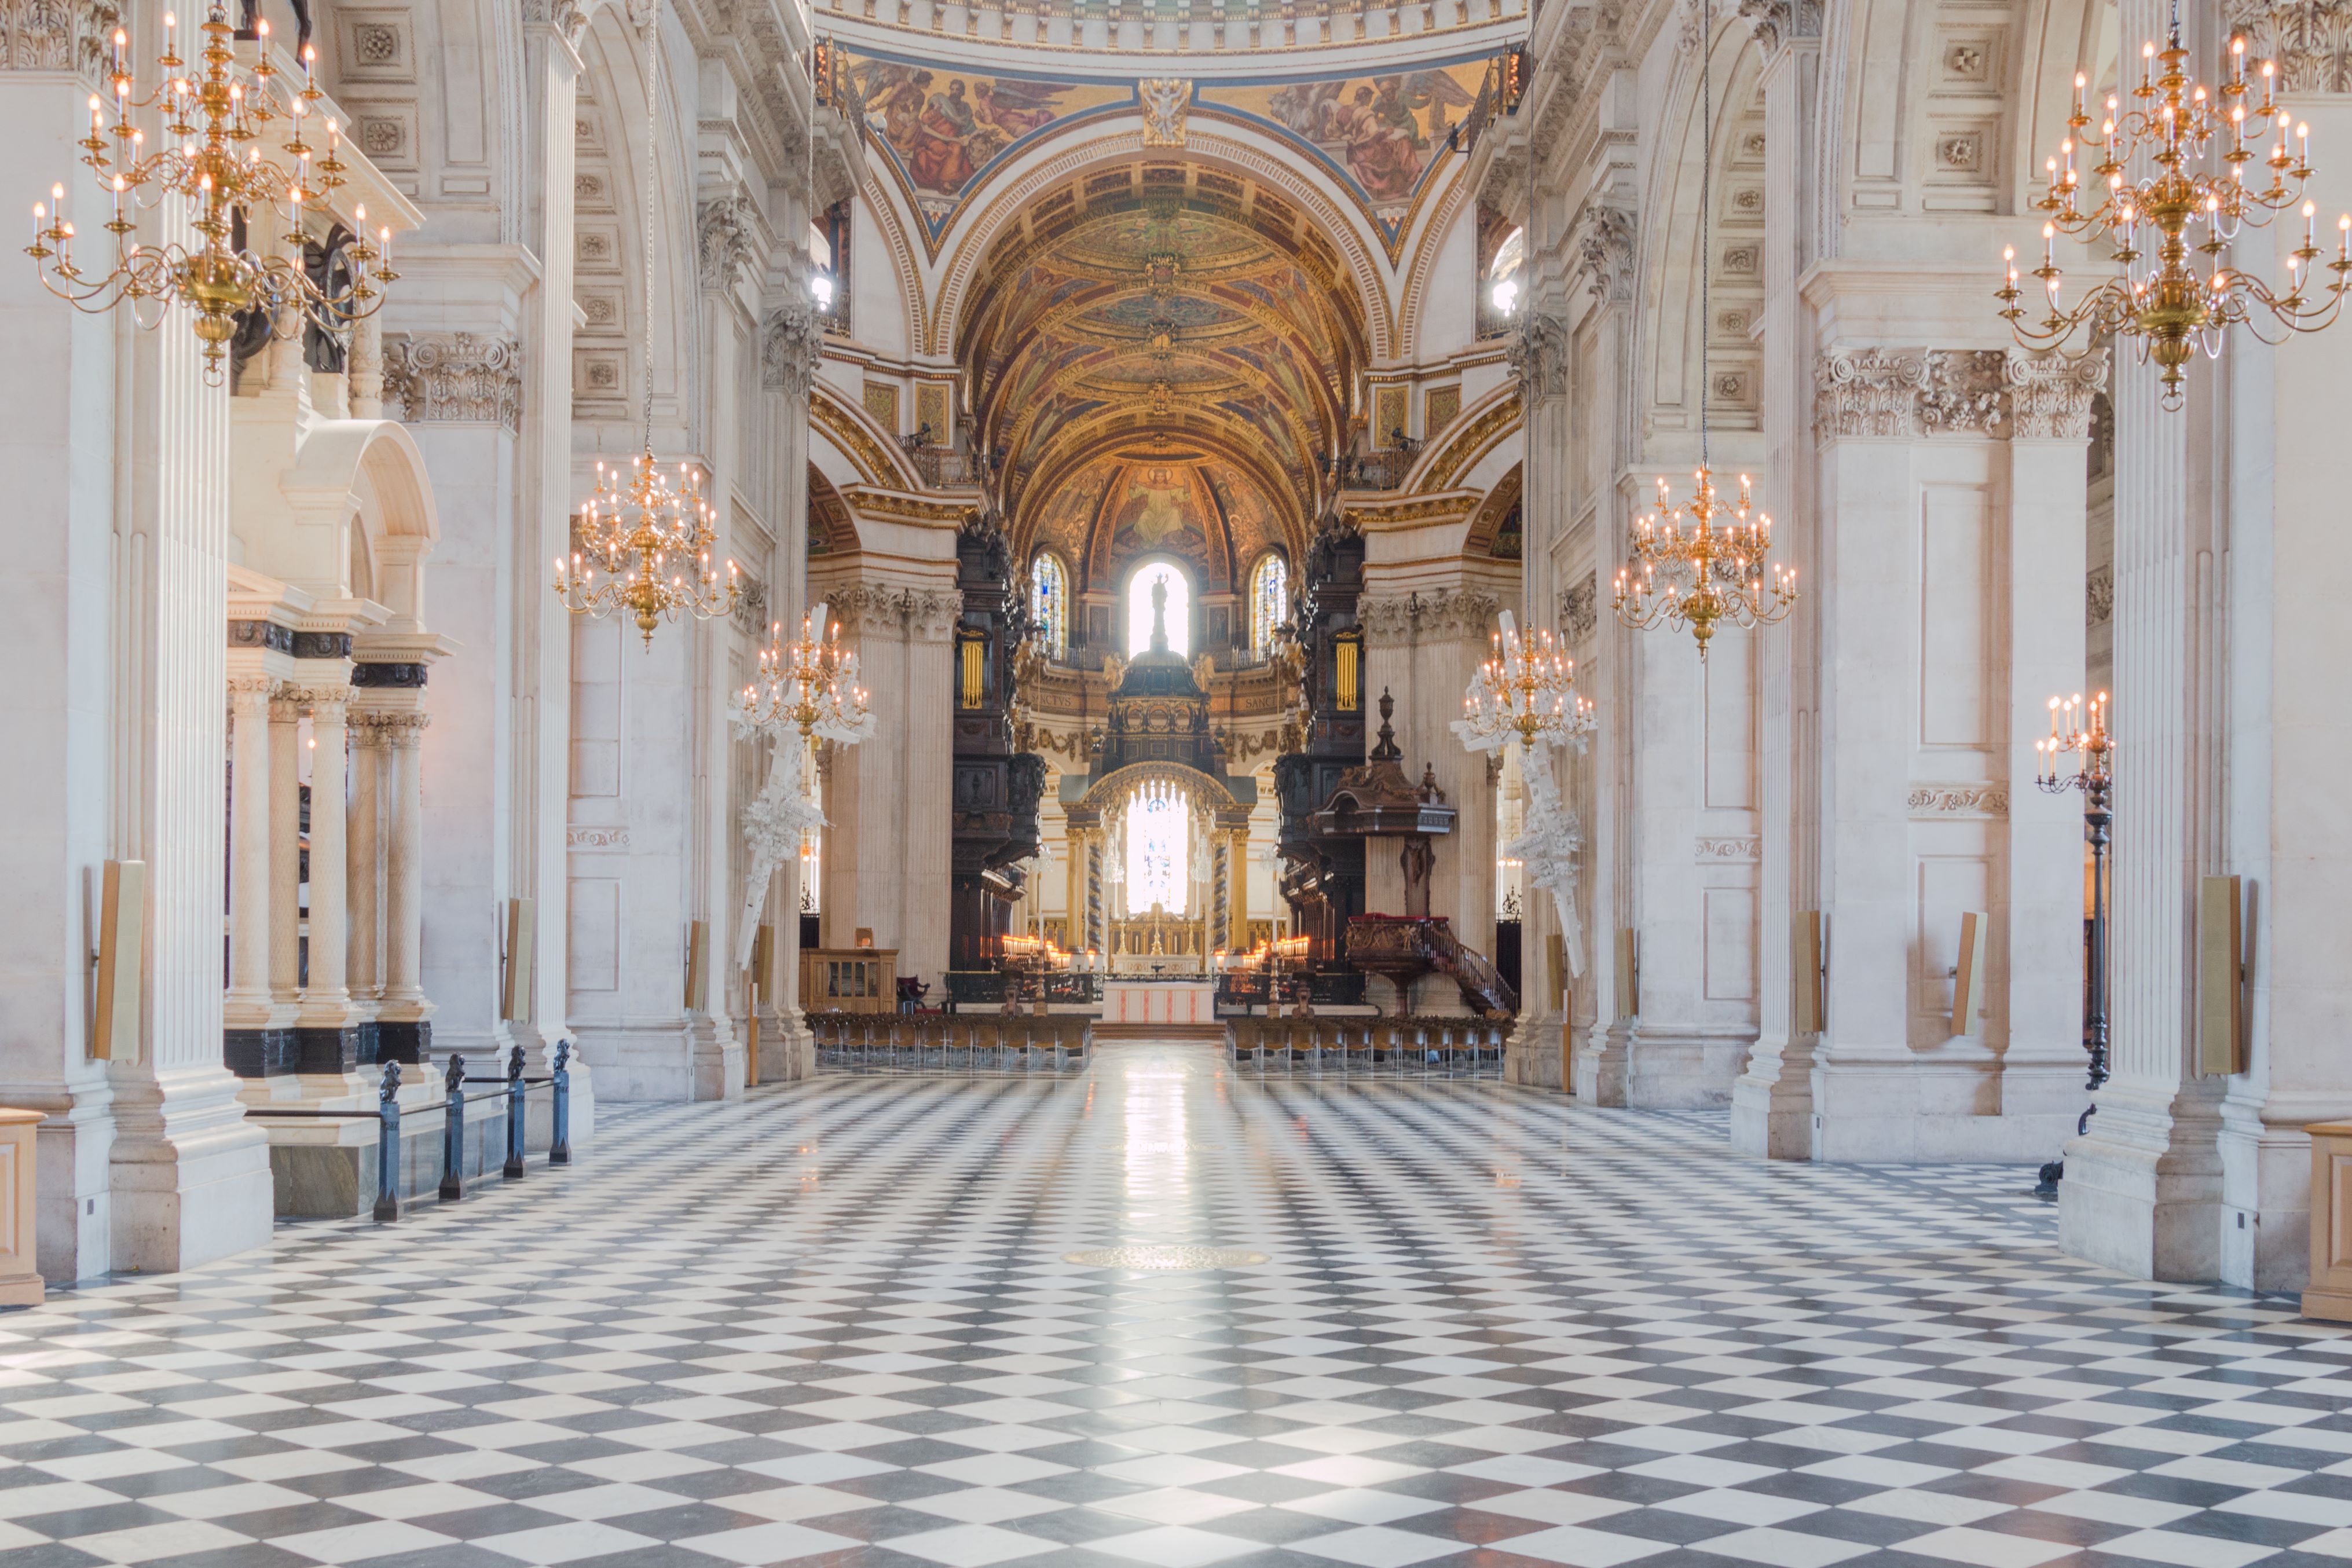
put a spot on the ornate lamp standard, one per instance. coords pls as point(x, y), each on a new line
point(2093, 749)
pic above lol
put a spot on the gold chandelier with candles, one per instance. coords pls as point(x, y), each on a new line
point(217, 120)
point(2197, 196)
point(1704, 566)
point(1527, 691)
point(643, 547)
point(809, 684)
point(1695, 566)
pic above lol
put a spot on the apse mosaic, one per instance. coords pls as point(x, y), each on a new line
point(943, 131)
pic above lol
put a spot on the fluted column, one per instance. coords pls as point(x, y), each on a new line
point(2142, 1191)
point(362, 852)
point(285, 847)
point(403, 864)
point(1772, 1102)
point(247, 1004)
point(325, 1038)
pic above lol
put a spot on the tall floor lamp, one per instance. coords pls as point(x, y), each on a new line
point(2079, 731)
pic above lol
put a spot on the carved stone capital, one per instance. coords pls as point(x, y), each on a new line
point(1868, 391)
point(567, 17)
point(1774, 22)
point(1447, 614)
point(324, 702)
point(453, 378)
point(2050, 396)
point(2099, 597)
point(1538, 353)
point(931, 613)
point(56, 35)
point(1910, 393)
point(2311, 40)
point(723, 228)
point(1604, 240)
point(792, 346)
point(252, 688)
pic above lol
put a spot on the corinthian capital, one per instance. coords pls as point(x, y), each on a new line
point(2311, 40)
point(2050, 394)
point(1604, 251)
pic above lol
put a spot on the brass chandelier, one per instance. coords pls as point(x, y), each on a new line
point(1695, 566)
point(216, 120)
point(2198, 146)
point(643, 547)
point(808, 685)
point(1527, 691)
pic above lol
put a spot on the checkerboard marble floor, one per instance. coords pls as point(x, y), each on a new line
point(835, 1324)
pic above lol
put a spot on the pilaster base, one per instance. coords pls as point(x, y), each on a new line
point(1903, 1112)
point(1662, 1068)
point(2143, 1188)
point(74, 1210)
point(1538, 1052)
point(685, 1060)
point(1772, 1105)
point(190, 1175)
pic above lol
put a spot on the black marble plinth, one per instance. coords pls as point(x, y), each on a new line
point(326, 1050)
point(258, 1053)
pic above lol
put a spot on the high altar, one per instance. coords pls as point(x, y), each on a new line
point(1157, 748)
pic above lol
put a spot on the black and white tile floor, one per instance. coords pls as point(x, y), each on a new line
point(835, 1325)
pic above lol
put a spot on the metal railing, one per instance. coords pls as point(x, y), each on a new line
point(515, 1088)
point(1362, 1048)
point(1022, 1047)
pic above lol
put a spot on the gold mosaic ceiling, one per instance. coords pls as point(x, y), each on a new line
point(1162, 327)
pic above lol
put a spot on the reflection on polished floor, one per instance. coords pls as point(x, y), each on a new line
point(836, 1323)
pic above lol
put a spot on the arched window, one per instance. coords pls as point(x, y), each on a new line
point(1139, 609)
point(1269, 601)
point(1158, 848)
point(1502, 275)
point(1049, 601)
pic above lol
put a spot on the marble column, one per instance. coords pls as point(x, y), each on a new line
point(1771, 1103)
point(403, 1030)
point(190, 1177)
point(792, 346)
point(326, 1034)
point(247, 1004)
point(286, 850)
point(363, 861)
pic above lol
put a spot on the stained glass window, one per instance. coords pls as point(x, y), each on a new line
point(1180, 610)
point(1269, 601)
point(1049, 602)
point(1159, 832)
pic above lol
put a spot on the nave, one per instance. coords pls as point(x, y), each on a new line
point(882, 1322)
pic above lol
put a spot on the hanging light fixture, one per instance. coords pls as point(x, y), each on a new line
point(2198, 145)
point(1702, 564)
point(640, 545)
point(215, 118)
point(808, 685)
point(1526, 692)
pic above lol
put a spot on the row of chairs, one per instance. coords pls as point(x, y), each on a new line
point(1365, 1048)
point(968, 1044)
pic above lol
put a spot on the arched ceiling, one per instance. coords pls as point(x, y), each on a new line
point(1162, 317)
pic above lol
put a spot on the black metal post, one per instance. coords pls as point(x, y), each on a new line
point(559, 1147)
point(2098, 819)
point(514, 1166)
point(387, 1147)
point(453, 1132)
